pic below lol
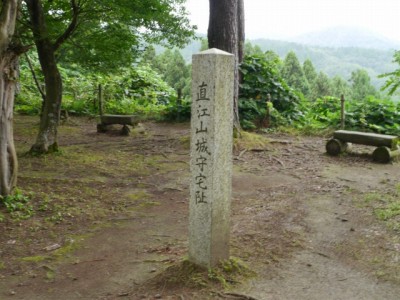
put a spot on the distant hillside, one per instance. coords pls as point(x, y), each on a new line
point(339, 37)
point(331, 60)
point(336, 61)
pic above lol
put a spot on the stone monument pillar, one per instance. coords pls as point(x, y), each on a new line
point(211, 157)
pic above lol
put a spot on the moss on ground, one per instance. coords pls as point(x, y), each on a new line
point(186, 274)
point(249, 140)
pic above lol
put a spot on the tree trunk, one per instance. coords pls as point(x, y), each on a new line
point(241, 42)
point(226, 32)
point(8, 156)
point(46, 140)
point(241, 31)
point(8, 80)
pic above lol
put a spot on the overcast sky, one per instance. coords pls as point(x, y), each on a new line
point(279, 19)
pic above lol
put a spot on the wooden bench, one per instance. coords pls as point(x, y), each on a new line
point(387, 145)
point(107, 120)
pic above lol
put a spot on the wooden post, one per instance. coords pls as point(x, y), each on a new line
point(342, 112)
point(268, 113)
point(100, 100)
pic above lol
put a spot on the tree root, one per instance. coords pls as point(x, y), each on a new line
point(229, 295)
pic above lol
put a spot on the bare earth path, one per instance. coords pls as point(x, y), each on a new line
point(303, 221)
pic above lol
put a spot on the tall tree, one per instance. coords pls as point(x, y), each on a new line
point(249, 49)
point(98, 34)
point(47, 137)
point(309, 71)
point(311, 75)
point(293, 73)
point(226, 32)
point(322, 87)
point(10, 50)
point(174, 70)
point(361, 85)
point(340, 87)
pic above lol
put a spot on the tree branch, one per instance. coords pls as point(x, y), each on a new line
point(71, 27)
point(35, 77)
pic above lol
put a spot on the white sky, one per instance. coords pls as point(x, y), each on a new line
point(277, 19)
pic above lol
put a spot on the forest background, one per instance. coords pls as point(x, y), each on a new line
point(304, 83)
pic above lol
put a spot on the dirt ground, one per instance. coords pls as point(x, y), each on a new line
point(109, 217)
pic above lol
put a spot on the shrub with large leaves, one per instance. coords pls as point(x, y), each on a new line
point(373, 114)
point(261, 77)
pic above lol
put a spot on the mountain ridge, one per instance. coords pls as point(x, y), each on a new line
point(344, 36)
point(333, 60)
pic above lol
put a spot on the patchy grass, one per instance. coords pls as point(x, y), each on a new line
point(386, 206)
point(92, 179)
point(249, 140)
point(185, 274)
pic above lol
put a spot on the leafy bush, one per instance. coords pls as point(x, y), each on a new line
point(373, 114)
point(17, 205)
point(178, 112)
point(135, 90)
point(322, 113)
point(261, 78)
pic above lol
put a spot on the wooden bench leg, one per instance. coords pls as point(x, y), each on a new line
point(335, 147)
point(384, 154)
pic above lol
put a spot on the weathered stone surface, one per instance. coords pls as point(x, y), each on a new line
point(119, 119)
point(211, 156)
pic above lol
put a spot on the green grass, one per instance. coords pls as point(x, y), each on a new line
point(385, 206)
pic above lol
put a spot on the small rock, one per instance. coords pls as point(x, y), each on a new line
point(52, 247)
point(12, 293)
point(153, 270)
point(158, 296)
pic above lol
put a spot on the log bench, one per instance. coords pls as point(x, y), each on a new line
point(107, 120)
point(387, 145)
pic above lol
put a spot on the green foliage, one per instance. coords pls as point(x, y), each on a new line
point(309, 71)
point(250, 49)
point(361, 85)
point(28, 100)
point(261, 78)
point(135, 90)
point(204, 44)
point(174, 70)
point(321, 87)
point(340, 87)
point(374, 115)
point(178, 112)
point(151, 89)
point(386, 206)
point(393, 81)
point(293, 73)
point(138, 90)
point(17, 205)
point(110, 34)
point(336, 61)
point(325, 112)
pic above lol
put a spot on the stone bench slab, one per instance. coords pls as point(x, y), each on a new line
point(119, 119)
